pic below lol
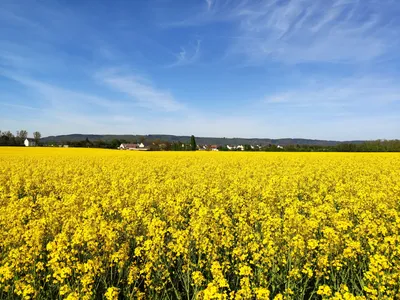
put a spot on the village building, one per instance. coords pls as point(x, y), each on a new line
point(214, 148)
point(137, 147)
point(30, 142)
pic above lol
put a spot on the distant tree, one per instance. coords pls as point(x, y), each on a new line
point(19, 138)
point(99, 144)
point(22, 134)
point(88, 143)
point(168, 146)
point(247, 147)
point(155, 146)
point(115, 143)
point(7, 138)
point(37, 136)
point(193, 145)
point(178, 146)
point(8, 134)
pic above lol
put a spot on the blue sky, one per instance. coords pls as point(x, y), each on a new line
point(279, 68)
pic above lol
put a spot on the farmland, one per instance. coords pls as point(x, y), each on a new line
point(87, 223)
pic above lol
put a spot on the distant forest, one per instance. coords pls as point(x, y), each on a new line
point(367, 146)
point(183, 143)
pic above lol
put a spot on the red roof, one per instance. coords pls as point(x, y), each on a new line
point(130, 145)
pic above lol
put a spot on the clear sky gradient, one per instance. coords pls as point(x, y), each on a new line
point(274, 68)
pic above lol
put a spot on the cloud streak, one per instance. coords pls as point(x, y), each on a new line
point(141, 91)
point(187, 55)
point(209, 4)
point(304, 31)
point(353, 95)
point(18, 106)
point(58, 97)
point(296, 59)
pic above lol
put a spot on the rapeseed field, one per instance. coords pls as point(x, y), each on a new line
point(105, 224)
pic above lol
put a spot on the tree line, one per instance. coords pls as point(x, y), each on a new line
point(159, 145)
point(7, 138)
point(368, 146)
point(156, 145)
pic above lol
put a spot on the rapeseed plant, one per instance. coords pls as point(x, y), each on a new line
point(90, 224)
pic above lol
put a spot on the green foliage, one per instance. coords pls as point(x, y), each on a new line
point(8, 139)
point(193, 144)
point(174, 143)
point(37, 135)
point(22, 134)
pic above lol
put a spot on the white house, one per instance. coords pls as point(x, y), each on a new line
point(136, 147)
point(279, 147)
point(240, 147)
point(214, 148)
point(128, 146)
point(29, 142)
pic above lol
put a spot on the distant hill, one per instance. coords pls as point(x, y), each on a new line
point(185, 139)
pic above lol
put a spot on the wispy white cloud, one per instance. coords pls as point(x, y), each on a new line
point(209, 4)
point(19, 106)
point(343, 94)
point(315, 31)
point(143, 92)
point(297, 31)
point(59, 97)
point(51, 51)
point(187, 55)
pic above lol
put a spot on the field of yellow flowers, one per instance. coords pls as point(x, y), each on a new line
point(107, 224)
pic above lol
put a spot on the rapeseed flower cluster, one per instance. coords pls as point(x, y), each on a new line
point(103, 224)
